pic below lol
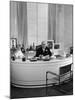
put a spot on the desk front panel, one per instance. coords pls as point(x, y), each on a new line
point(34, 73)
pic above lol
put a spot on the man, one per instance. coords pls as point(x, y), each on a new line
point(43, 50)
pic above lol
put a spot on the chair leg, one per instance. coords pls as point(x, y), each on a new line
point(59, 80)
point(46, 83)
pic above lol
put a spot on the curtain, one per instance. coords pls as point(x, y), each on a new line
point(56, 23)
point(34, 22)
point(18, 19)
point(13, 20)
point(32, 17)
point(52, 22)
point(37, 14)
point(42, 22)
point(60, 23)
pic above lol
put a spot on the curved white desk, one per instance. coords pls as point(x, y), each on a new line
point(33, 74)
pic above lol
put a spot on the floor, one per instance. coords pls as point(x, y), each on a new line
point(41, 92)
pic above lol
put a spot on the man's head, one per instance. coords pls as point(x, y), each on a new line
point(43, 43)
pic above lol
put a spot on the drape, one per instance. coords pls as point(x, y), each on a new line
point(56, 23)
point(37, 14)
point(13, 20)
point(60, 23)
point(18, 21)
point(34, 22)
point(52, 22)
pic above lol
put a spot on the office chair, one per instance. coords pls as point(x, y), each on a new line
point(64, 76)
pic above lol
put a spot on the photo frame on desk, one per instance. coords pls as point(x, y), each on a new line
point(57, 49)
point(57, 46)
point(13, 42)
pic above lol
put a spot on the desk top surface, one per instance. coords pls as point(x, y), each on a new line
point(52, 60)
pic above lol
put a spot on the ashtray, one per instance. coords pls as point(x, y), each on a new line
point(33, 59)
point(23, 59)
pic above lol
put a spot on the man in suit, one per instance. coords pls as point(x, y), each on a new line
point(43, 50)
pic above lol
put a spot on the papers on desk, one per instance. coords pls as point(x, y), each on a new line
point(44, 58)
point(59, 57)
point(47, 58)
point(53, 57)
point(33, 59)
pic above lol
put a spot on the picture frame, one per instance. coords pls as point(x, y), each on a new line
point(13, 42)
point(57, 46)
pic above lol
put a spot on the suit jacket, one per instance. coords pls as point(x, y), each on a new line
point(40, 51)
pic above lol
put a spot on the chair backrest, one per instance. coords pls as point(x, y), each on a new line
point(65, 69)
